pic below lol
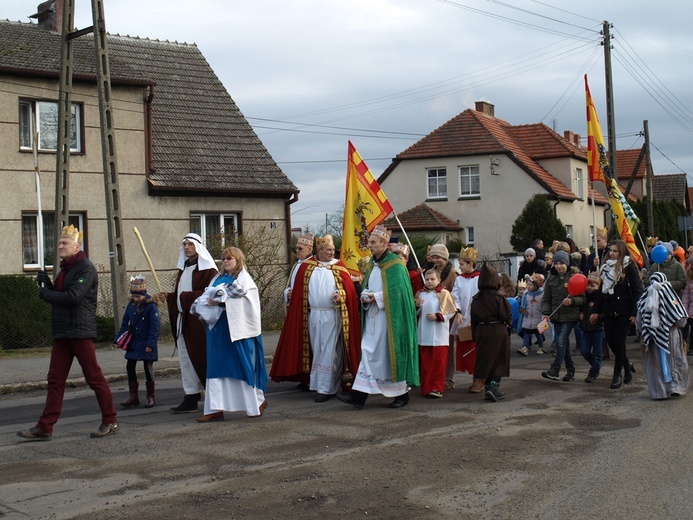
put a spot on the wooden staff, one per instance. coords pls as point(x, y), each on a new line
point(149, 260)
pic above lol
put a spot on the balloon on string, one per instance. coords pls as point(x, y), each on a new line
point(577, 284)
point(514, 309)
point(659, 254)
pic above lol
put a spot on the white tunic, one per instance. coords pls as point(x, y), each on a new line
point(324, 328)
point(462, 293)
point(292, 279)
point(432, 333)
point(374, 375)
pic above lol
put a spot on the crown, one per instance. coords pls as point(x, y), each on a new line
point(72, 233)
point(382, 232)
point(593, 276)
point(138, 285)
point(325, 241)
point(401, 249)
point(602, 232)
point(468, 254)
point(652, 241)
point(306, 239)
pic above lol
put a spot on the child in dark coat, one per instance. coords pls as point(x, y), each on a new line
point(592, 325)
point(141, 318)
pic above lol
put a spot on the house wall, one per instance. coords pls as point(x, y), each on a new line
point(162, 221)
point(492, 214)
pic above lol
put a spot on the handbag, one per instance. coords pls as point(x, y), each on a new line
point(123, 341)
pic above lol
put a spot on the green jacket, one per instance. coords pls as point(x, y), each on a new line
point(555, 291)
point(674, 272)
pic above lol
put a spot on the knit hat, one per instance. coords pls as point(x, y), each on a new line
point(561, 256)
point(440, 250)
point(537, 279)
point(530, 251)
point(667, 246)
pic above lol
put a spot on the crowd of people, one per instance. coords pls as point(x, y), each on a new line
point(393, 327)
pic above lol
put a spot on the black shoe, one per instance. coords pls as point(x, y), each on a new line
point(303, 387)
point(632, 367)
point(105, 430)
point(399, 402)
point(591, 377)
point(493, 394)
point(34, 434)
point(348, 399)
point(615, 382)
point(323, 398)
point(570, 375)
point(551, 373)
point(189, 404)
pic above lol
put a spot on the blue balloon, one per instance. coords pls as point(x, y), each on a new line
point(659, 254)
point(514, 307)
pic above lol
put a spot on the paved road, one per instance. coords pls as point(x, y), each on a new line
point(550, 450)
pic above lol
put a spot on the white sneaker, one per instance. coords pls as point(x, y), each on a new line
point(523, 351)
point(540, 352)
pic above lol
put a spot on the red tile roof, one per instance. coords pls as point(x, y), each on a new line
point(423, 218)
point(475, 133)
point(626, 161)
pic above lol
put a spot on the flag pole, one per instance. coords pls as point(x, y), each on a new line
point(39, 215)
point(594, 220)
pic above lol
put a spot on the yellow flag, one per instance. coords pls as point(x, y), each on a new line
point(365, 207)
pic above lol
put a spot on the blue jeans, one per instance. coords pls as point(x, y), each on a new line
point(562, 331)
point(591, 349)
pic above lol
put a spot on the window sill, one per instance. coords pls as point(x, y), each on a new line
point(439, 199)
point(470, 197)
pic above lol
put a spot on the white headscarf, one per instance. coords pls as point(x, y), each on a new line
point(204, 261)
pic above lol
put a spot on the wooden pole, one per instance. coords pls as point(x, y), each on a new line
point(149, 260)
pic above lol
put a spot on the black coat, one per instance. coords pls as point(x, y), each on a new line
point(627, 292)
point(74, 307)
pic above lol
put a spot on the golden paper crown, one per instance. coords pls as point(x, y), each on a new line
point(652, 241)
point(325, 241)
point(305, 239)
point(603, 232)
point(401, 249)
point(72, 233)
point(382, 232)
point(468, 254)
point(593, 276)
point(138, 284)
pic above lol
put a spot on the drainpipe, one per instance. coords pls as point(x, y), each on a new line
point(148, 132)
point(555, 211)
point(287, 216)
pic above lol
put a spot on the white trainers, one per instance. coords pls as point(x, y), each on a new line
point(540, 352)
point(523, 351)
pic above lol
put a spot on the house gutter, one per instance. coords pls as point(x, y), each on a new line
point(555, 206)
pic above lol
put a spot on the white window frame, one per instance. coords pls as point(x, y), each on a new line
point(440, 180)
point(580, 183)
point(223, 218)
point(468, 174)
point(49, 239)
point(42, 116)
point(469, 235)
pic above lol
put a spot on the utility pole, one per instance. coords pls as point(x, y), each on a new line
point(610, 113)
point(108, 148)
point(648, 179)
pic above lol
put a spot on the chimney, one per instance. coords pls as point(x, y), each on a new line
point(50, 15)
point(569, 136)
point(485, 108)
point(577, 138)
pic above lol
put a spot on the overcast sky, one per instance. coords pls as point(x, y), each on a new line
point(311, 74)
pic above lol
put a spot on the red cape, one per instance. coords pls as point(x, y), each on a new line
point(293, 357)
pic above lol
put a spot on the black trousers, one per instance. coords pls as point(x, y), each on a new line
point(616, 330)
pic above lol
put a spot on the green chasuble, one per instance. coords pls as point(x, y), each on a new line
point(400, 309)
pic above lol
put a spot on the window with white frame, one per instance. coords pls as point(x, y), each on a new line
point(569, 231)
point(470, 185)
point(470, 236)
point(214, 227)
point(437, 183)
point(579, 183)
point(42, 117)
point(30, 248)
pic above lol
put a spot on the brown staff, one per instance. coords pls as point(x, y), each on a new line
point(149, 260)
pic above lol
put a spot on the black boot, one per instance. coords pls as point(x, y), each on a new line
point(400, 401)
point(151, 395)
point(616, 381)
point(354, 398)
point(134, 399)
point(628, 373)
point(189, 404)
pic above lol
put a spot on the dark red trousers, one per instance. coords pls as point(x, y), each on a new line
point(63, 353)
point(433, 363)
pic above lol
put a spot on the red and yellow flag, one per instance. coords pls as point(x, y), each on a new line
point(625, 219)
point(365, 207)
point(595, 139)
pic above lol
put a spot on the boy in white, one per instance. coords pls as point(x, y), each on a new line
point(435, 307)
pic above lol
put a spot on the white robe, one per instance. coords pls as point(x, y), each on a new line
point(374, 375)
point(432, 333)
point(324, 328)
point(292, 279)
point(462, 292)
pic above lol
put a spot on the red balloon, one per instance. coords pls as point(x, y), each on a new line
point(577, 284)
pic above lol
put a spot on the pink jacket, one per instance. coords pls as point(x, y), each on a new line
point(687, 298)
